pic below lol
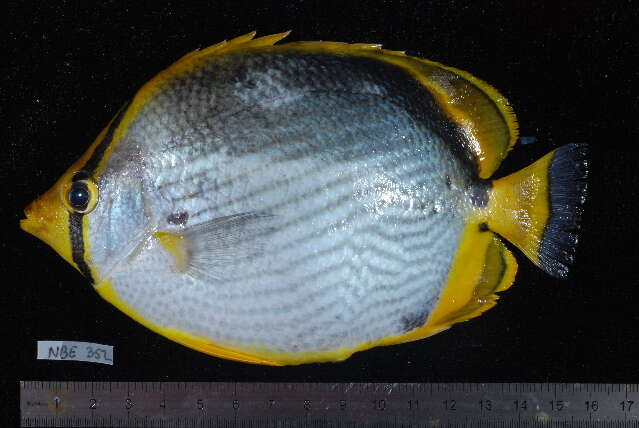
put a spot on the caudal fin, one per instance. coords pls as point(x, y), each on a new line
point(539, 208)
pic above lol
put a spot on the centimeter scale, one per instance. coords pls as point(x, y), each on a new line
point(230, 404)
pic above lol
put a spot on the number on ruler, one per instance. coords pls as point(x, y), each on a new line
point(626, 405)
point(592, 406)
point(379, 404)
point(450, 405)
point(485, 405)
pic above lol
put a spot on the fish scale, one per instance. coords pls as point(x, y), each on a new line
point(300, 202)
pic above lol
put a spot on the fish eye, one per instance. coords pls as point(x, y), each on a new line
point(81, 196)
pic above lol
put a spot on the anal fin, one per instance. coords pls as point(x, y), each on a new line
point(497, 274)
point(483, 266)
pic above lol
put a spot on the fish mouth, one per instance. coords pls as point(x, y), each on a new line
point(48, 220)
point(28, 223)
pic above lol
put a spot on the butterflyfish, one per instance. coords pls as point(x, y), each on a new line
point(292, 203)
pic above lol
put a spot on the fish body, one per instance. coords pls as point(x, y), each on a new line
point(292, 203)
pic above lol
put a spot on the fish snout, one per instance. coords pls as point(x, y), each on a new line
point(48, 220)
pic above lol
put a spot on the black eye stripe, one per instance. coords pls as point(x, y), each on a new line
point(97, 155)
point(77, 245)
point(87, 171)
point(80, 175)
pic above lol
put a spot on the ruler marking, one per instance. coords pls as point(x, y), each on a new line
point(52, 404)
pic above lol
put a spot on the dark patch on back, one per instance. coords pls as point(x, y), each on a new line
point(483, 227)
point(299, 73)
point(413, 321)
point(178, 218)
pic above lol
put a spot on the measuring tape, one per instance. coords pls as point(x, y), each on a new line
point(229, 404)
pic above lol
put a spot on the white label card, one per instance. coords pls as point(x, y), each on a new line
point(64, 350)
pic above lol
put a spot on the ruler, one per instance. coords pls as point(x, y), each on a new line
point(231, 404)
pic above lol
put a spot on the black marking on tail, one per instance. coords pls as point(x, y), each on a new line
point(567, 193)
point(77, 245)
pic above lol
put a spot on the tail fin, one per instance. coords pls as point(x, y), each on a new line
point(539, 208)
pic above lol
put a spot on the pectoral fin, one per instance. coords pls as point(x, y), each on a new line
point(207, 250)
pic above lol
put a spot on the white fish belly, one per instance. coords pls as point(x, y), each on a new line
point(357, 252)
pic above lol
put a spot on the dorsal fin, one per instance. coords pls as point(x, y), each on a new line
point(486, 118)
point(245, 41)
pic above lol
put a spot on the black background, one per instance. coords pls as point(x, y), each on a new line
point(567, 69)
